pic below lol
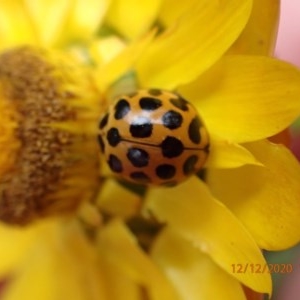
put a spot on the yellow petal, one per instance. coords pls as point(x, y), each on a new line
point(195, 42)
point(266, 199)
point(67, 21)
point(117, 200)
point(48, 18)
point(132, 18)
point(192, 211)
point(15, 25)
point(14, 244)
point(84, 19)
point(224, 154)
point(170, 11)
point(116, 243)
point(259, 35)
point(253, 98)
point(105, 49)
point(192, 272)
point(118, 284)
point(62, 265)
point(45, 23)
point(122, 62)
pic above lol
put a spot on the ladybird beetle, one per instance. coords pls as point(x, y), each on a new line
point(153, 137)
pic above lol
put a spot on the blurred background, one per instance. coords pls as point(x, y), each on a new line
point(287, 286)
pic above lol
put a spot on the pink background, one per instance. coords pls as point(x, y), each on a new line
point(288, 49)
point(288, 42)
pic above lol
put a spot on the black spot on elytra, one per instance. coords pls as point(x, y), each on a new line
point(138, 157)
point(155, 92)
point(140, 177)
point(148, 103)
point(101, 143)
point(194, 130)
point(113, 136)
point(172, 119)
point(171, 147)
point(141, 127)
point(122, 108)
point(103, 121)
point(165, 171)
point(115, 164)
point(180, 103)
point(189, 164)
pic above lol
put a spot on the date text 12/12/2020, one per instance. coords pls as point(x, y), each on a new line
point(262, 268)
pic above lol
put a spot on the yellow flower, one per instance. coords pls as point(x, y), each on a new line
point(194, 234)
point(43, 162)
point(50, 23)
point(243, 100)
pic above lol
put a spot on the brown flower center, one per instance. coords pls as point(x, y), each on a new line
point(28, 82)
